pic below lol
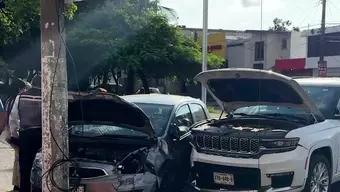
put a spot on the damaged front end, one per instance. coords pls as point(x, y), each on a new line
point(112, 148)
point(137, 171)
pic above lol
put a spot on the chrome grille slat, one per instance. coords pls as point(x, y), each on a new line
point(225, 144)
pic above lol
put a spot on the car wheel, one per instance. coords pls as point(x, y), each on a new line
point(319, 175)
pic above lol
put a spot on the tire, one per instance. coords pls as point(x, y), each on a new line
point(319, 166)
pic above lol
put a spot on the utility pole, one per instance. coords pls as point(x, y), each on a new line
point(205, 46)
point(322, 65)
point(54, 95)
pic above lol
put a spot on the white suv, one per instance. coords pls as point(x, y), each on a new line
point(280, 134)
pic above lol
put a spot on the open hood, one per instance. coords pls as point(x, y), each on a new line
point(235, 88)
point(110, 109)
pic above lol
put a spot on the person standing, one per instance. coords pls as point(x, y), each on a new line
point(17, 87)
point(25, 118)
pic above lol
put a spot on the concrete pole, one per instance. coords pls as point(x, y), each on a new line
point(205, 45)
point(54, 94)
point(322, 63)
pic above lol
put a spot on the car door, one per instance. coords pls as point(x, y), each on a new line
point(179, 149)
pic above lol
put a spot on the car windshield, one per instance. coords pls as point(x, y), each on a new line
point(276, 112)
point(95, 130)
point(325, 98)
point(158, 114)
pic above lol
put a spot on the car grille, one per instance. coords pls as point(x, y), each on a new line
point(227, 144)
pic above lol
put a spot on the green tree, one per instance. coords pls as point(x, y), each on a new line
point(281, 25)
point(98, 33)
point(20, 35)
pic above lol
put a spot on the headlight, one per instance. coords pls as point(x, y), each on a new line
point(279, 145)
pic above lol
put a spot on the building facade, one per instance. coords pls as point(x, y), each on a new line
point(261, 49)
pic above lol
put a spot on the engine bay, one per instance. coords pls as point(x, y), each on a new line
point(248, 127)
point(126, 158)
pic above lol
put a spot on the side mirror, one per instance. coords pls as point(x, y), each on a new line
point(183, 122)
point(177, 131)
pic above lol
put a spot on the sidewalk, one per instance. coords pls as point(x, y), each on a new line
point(6, 165)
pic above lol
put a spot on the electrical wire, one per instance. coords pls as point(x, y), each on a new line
point(61, 162)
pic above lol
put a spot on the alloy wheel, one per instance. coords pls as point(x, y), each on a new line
point(320, 178)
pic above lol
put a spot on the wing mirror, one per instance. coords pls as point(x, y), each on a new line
point(177, 131)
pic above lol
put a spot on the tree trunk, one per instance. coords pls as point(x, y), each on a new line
point(130, 81)
point(144, 81)
point(105, 78)
point(116, 81)
point(31, 74)
point(183, 86)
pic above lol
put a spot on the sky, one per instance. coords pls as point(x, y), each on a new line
point(246, 14)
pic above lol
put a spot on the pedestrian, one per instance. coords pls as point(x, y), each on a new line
point(11, 136)
point(25, 118)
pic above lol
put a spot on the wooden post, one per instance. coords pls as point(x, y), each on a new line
point(54, 94)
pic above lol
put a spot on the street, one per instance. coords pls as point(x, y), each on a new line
point(6, 165)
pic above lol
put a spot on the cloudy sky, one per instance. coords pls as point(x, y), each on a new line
point(245, 14)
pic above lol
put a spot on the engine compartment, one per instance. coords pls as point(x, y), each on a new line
point(248, 127)
point(127, 157)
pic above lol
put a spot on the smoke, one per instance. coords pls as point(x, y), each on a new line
point(251, 3)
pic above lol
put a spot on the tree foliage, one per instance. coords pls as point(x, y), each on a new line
point(20, 35)
point(104, 38)
point(281, 25)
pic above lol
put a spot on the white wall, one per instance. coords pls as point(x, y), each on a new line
point(236, 56)
point(332, 62)
point(296, 48)
point(298, 45)
point(273, 48)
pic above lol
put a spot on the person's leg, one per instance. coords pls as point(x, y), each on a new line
point(24, 161)
point(30, 143)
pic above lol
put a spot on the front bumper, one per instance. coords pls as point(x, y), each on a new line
point(122, 183)
point(109, 181)
point(267, 167)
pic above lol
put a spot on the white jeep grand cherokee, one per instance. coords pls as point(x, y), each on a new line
point(280, 134)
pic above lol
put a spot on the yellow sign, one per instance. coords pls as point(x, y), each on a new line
point(217, 44)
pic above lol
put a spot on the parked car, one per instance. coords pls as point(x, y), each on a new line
point(274, 137)
point(151, 90)
point(118, 147)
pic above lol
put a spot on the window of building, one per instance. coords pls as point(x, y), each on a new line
point(259, 51)
point(258, 66)
point(284, 44)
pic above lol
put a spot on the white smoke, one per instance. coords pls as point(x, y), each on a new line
point(251, 3)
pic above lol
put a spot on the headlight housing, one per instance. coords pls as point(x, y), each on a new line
point(279, 145)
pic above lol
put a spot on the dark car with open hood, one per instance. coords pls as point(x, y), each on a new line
point(113, 145)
